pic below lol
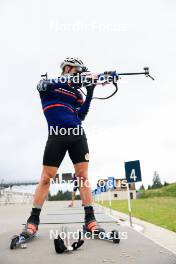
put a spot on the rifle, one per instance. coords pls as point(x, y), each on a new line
point(107, 77)
point(112, 77)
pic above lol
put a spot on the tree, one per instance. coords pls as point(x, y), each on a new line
point(165, 183)
point(142, 187)
point(156, 181)
point(62, 196)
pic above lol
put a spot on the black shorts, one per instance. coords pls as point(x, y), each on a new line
point(57, 146)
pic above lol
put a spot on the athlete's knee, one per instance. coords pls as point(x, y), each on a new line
point(46, 177)
point(82, 175)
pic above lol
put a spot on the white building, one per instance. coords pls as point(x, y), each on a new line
point(118, 193)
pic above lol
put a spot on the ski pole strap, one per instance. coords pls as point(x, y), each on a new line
point(60, 247)
point(79, 243)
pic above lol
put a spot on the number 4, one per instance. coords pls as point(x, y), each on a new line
point(133, 175)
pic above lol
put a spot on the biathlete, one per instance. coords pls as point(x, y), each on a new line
point(75, 188)
point(64, 108)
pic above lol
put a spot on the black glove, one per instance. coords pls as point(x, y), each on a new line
point(45, 85)
point(90, 89)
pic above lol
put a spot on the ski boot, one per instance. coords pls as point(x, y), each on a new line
point(91, 226)
point(93, 230)
point(28, 232)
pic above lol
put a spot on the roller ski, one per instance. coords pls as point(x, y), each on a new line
point(22, 239)
point(93, 230)
point(29, 231)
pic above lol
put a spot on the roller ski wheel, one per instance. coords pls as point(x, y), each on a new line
point(96, 231)
point(14, 242)
point(114, 236)
point(21, 240)
point(101, 234)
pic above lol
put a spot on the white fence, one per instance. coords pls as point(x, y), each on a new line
point(12, 197)
point(115, 195)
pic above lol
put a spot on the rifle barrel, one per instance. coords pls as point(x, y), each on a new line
point(133, 73)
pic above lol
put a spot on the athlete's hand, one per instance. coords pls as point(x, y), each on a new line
point(40, 86)
point(90, 89)
point(44, 85)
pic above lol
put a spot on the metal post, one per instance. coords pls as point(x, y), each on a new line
point(110, 202)
point(94, 200)
point(129, 204)
point(101, 197)
point(109, 194)
point(98, 198)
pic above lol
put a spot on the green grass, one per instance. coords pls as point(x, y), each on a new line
point(160, 211)
point(166, 191)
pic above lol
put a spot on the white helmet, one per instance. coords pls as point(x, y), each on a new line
point(75, 62)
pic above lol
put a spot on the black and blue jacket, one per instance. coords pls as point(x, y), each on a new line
point(63, 104)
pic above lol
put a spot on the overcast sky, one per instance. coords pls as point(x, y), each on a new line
point(137, 123)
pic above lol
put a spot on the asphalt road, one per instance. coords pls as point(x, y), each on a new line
point(135, 249)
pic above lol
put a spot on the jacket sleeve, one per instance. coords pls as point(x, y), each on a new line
point(83, 107)
point(48, 85)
